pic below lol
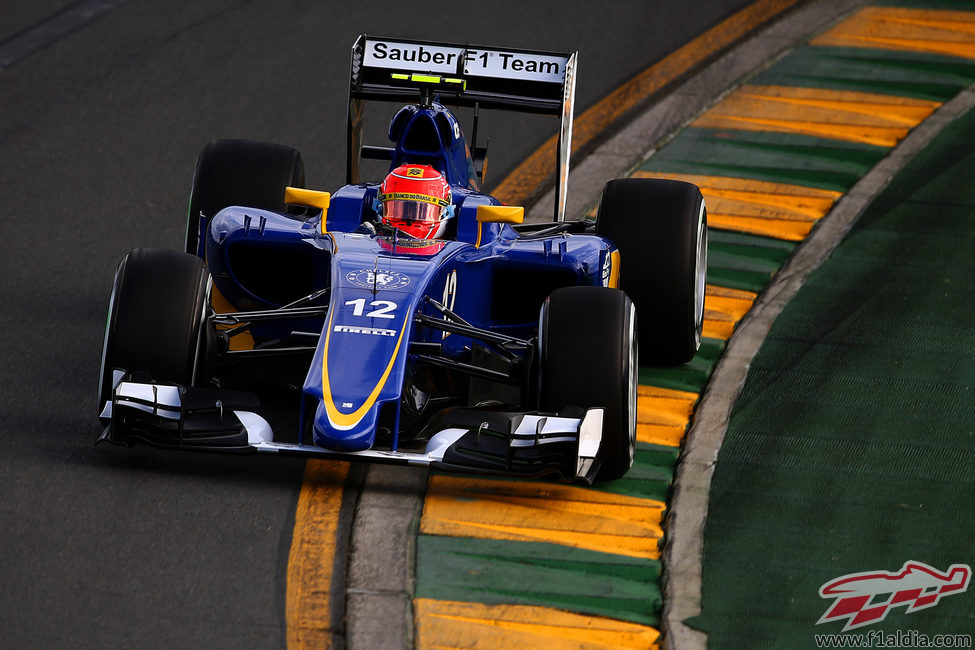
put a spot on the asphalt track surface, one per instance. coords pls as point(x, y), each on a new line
point(100, 129)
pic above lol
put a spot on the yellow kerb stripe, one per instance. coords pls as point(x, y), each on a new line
point(542, 512)
point(723, 308)
point(910, 30)
point(663, 414)
point(757, 207)
point(868, 118)
point(448, 624)
point(312, 556)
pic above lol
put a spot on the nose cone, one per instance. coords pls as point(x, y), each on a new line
point(358, 437)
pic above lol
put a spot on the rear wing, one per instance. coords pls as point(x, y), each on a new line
point(390, 69)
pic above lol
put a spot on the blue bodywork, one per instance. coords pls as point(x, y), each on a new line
point(492, 275)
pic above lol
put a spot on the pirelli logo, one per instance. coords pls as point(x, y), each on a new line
point(374, 331)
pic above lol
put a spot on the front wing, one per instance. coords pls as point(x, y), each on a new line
point(480, 441)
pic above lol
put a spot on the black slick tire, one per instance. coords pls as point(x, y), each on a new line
point(660, 229)
point(240, 172)
point(588, 357)
point(156, 318)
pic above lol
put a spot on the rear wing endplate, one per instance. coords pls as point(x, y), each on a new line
point(388, 69)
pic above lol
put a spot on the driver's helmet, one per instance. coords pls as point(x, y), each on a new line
point(415, 199)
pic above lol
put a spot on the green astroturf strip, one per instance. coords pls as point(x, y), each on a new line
point(740, 261)
point(775, 157)
point(690, 377)
point(905, 74)
point(651, 474)
point(852, 445)
point(546, 575)
point(739, 279)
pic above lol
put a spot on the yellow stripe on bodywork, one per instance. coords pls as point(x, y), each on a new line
point(449, 624)
point(910, 30)
point(500, 214)
point(868, 118)
point(756, 207)
point(346, 420)
point(614, 270)
point(542, 512)
point(311, 199)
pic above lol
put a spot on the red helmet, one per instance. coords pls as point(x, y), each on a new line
point(415, 199)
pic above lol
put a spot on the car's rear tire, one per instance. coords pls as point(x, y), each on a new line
point(588, 357)
point(660, 228)
point(156, 318)
point(239, 172)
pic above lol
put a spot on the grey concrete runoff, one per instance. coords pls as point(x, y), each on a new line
point(379, 592)
point(378, 603)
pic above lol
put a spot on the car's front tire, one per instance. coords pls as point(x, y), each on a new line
point(156, 318)
point(588, 357)
point(660, 228)
point(239, 172)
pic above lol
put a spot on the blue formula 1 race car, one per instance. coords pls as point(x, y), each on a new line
point(414, 320)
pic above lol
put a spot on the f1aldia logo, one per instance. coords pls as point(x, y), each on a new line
point(866, 598)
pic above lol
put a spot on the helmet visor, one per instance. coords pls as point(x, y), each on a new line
point(412, 210)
